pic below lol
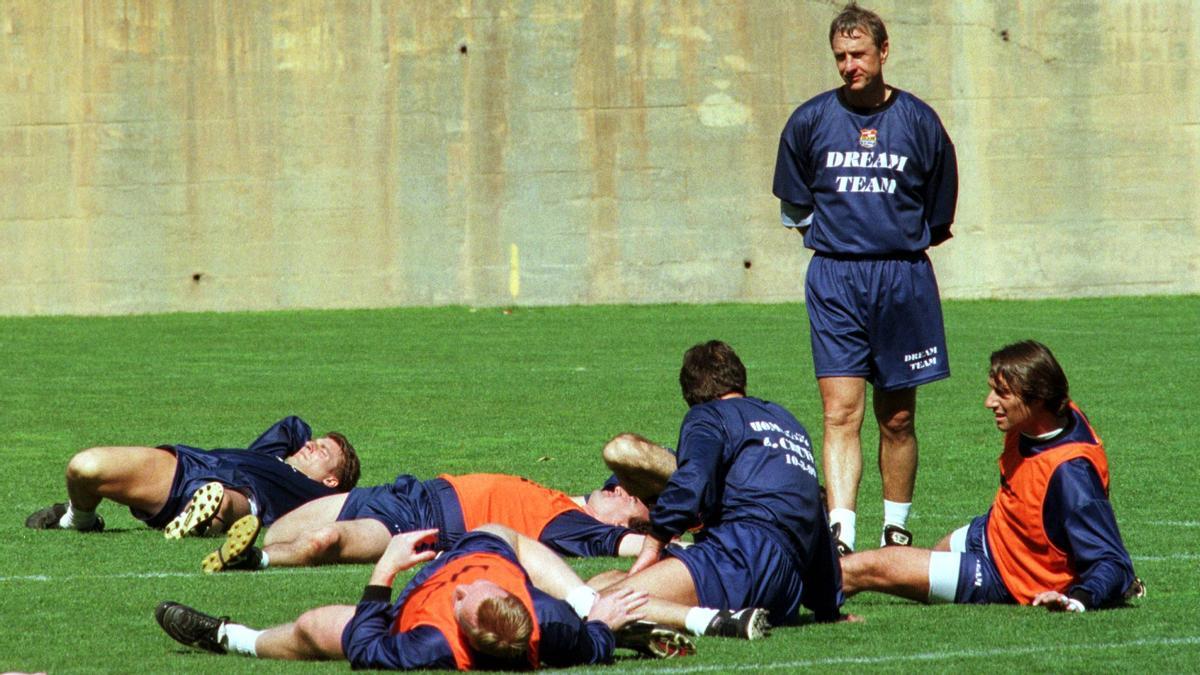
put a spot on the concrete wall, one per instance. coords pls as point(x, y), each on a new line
point(222, 155)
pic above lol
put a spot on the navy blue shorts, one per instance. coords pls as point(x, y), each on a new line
point(740, 564)
point(878, 319)
point(979, 581)
point(402, 506)
point(194, 468)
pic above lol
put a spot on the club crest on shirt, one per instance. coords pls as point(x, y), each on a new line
point(866, 137)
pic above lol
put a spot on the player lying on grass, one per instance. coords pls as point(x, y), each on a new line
point(184, 490)
point(1050, 537)
point(495, 601)
point(356, 527)
point(746, 474)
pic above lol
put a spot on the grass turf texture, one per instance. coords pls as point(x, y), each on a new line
point(536, 392)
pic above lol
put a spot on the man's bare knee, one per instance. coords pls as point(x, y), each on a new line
point(899, 424)
point(86, 466)
point(308, 631)
point(622, 449)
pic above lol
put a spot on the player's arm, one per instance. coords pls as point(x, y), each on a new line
point(1079, 519)
point(578, 535)
point(795, 216)
point(941, 186)
point(369, 643)
point(568, 640)
point(401, 554)
point(793, 175)
point(691, 490)
point(283, 438)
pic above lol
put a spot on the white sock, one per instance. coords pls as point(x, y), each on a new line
point(895, 513)
point(76, 519)
point(847, 519)
point(264, 561)
point(697, 619)
point(581, 599)
point(239, 639)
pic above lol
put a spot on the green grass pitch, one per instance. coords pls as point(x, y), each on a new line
point(536, 392)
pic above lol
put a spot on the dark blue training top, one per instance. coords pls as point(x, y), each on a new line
point(742, 459)
point(877, 182)
point(259, 471)
point(368, 641)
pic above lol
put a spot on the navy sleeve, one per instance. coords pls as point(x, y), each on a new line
point(1079, 520)
point(941, 187)
point(792, 176)
point(568, 640)
point(283, 438)
point(369, 643)
point(579, 535)
point(692, 488)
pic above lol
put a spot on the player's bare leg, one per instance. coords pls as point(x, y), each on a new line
point(896, 411)
point(348, 541)
point(641, 466)
point(844, 403)
point(603, 580)
point(137, 477)
point(898, 570)
point(233, 506)
point(315, 635)
point(305, 518)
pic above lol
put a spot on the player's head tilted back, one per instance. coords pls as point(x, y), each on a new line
point(494, 621)
point(1029, 370)
point(614, 505)
point(329, 459)
point(711, 370)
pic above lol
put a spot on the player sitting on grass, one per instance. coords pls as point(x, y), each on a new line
point(356, 527)
point(185, 490)
point(1050, 538)
point(494, 601)
point(746, 474)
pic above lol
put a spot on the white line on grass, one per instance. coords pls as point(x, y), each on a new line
point(169, 575)
point(935, 656)
point(1176, 523)
point(1164, 558)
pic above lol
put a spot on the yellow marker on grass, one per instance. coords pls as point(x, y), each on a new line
point(514, 271)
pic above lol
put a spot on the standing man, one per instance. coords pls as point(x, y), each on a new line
point(868, 175)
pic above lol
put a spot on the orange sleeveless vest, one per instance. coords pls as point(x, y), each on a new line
point(1022, 552)
point(432, 603)
point(512, 501)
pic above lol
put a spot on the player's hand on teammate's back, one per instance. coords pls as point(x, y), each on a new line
point(619, 608)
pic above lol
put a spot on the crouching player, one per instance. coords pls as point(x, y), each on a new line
point(747, 476)
point(1050, 538)
point(493, 601)
point(356, 527)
